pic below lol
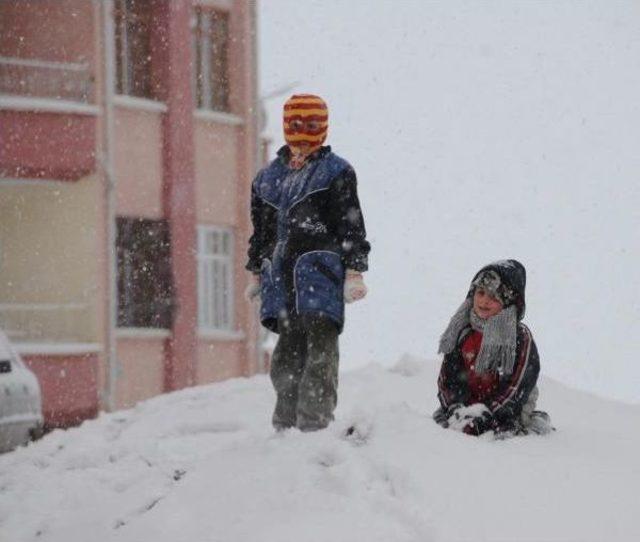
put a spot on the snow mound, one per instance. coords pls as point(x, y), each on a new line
point(204, 465)
point(409, 365)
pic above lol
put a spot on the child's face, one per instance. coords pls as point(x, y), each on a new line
point(484, 304)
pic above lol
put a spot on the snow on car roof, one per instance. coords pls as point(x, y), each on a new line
point(5, 348)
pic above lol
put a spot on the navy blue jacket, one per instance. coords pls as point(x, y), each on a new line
point(308, 229)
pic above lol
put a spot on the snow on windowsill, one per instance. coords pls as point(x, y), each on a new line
point(12, 181)
point(28, 103)
point(220, 335)
point(57, 349)
point(141, 104)
point(217, 4)
point(142, 333)
point(219, 117)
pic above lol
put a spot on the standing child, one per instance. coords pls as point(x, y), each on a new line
point(490, 369)
point(307, 252)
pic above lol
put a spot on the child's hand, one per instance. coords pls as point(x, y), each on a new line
point(354, 286)
point(442, 415)
point(480, 424)
point(473, 419)
point(252, 291)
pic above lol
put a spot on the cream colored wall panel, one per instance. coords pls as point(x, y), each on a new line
point(48, 259)
point(219, 360)
point(138, 162)
point(216, 172)
point(140, 371)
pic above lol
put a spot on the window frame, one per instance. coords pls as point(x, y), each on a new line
point(203, 39)
point(211, 317)
point(134, 309)
point(125, 65)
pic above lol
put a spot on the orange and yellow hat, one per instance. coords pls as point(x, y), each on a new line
point(305, 122)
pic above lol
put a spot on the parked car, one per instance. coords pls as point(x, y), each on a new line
point(20, 399)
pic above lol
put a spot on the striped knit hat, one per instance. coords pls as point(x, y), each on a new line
point(305, 123)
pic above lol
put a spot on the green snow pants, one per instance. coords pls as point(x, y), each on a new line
point(304, 372)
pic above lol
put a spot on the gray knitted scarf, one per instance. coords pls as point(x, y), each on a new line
point(498, 349)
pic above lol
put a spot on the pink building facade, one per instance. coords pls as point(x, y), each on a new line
point(128, 141)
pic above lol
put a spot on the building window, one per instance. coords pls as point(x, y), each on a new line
point(210, 49)
point(145, 290)
point(133, 48)
point(215, 279)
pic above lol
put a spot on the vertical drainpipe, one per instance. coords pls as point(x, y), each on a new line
point(244, 75)
point(253, 11)
point(257, 163)
point(108, 79)
point(248, 106)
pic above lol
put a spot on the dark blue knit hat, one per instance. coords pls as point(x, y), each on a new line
point(506, 280)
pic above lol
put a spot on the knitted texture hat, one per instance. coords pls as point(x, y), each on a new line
point(490, 282)
point(305, 123)
point(510, 286)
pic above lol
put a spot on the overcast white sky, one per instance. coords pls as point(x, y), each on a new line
point(482, 131)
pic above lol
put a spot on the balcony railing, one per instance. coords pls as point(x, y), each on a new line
point(46, 322)
point(70, 81)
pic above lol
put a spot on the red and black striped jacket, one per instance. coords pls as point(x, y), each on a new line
point(503, 395)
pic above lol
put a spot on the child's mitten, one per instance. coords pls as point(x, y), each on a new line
point(354, 286)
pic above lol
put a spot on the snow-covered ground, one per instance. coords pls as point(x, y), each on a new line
point(204, 465)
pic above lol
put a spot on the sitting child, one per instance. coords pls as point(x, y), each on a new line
point(488, 377)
